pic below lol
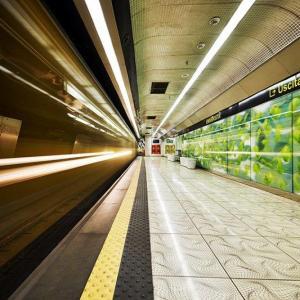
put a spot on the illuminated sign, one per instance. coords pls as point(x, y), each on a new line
point(169, 141)
point(284, 87)
point(213, 118)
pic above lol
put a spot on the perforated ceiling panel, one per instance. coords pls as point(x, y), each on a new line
point(166, 34)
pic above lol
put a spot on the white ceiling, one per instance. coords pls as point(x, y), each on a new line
point(166, 34)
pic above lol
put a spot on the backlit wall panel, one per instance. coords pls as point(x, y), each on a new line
point(271, 143)
point(296, 141)
point(239, 144)
point(261, 144)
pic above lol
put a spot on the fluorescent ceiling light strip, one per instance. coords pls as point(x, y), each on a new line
point(97, 15)
point(228, 29)
point(38, 159)
point(12, 176)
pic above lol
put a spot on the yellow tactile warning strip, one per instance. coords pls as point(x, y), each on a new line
point(102, 281)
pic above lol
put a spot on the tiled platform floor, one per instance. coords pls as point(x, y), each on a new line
point(214, 238)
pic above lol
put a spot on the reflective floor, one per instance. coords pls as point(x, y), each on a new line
point(214, 238)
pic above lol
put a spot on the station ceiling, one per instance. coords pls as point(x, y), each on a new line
point(171, 37)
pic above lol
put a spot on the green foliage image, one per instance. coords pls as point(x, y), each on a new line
point(296, 142)
point(271, 143)
point(260, 144)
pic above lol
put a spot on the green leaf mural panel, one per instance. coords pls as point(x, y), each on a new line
point(271, 143)
point(296, 141)
point(239, 147)
point(215, 149)
point(260, 144)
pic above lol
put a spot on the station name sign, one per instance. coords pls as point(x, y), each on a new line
point(213, 118)
point(284, 87)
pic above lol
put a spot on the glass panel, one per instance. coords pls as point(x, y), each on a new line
point(239, 147)
point(296, 141)
point(257, 144)
point(271, 143)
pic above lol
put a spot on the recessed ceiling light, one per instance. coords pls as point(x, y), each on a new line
point(200, 45)
point(214, 21)
point(185, 75)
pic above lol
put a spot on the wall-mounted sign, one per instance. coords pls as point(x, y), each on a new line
point(284, 87)
point(213, 118)
point(169, 141)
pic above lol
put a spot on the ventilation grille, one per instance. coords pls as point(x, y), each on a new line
point(159, 87)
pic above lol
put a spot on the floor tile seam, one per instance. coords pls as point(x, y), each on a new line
point(176, 214)
point(160, 214)
point(214, 254)
point(251, 215)
point(230, 235)
point(169, 201)
point(297, 260)
point(227, 278)
point(191, 276)
point(278, 217)
point(172, 233)
point(266, 279)
point(207, 234)
point(272, 209)
point(265, 215)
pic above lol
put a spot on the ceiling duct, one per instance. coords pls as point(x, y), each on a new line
point(151, 117)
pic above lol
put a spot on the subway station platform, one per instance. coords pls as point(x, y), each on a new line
point(167, 232)
point(95, 95)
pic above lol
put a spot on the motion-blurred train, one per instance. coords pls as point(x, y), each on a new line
point(62, 140)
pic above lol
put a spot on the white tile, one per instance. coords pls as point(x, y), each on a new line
point(253, 289)
point(171, 223)
point(189, 288)
point(253, 257)
point(183, 255)
point(291, 246)
point(213, 224)
point(164, 207)
point(272, 226)
point(203, 207)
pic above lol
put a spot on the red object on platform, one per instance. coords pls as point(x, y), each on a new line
point(155, 149)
